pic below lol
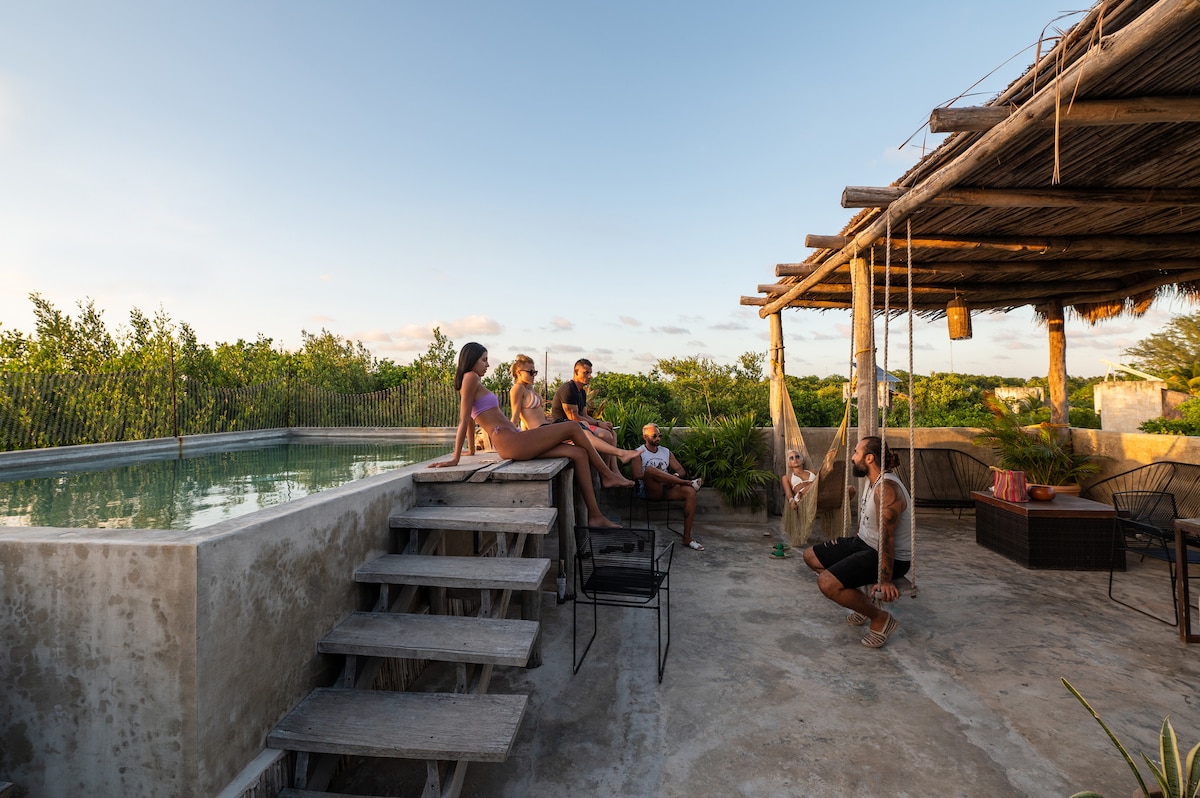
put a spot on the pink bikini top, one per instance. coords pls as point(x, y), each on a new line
point(484, 403)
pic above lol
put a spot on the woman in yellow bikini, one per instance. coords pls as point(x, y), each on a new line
point(481, 406)
point(528, 412)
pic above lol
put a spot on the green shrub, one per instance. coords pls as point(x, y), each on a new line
point(726, 452)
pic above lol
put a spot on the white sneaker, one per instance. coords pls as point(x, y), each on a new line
point(697, 482)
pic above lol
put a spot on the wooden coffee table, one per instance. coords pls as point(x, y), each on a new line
point(1066, 533)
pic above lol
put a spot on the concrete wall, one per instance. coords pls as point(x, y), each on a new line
point(1124, 406)
point(146, 662)
point(1121, 452)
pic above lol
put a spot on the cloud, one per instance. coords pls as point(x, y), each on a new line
point(559, 323)
point(469, 325)
point(671, 330)
point(321, 318)
point(570, 349)
point(324, 278)
point(630, 321)
point(417, 337)
point(728, 325)
point(646, 357)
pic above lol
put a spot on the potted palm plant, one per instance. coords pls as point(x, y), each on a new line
point(1045, 456)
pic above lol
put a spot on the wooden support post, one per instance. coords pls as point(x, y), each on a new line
point(864, 349)
point(779, 395)
point(1057, 374)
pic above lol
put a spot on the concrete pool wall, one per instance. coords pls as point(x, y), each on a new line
point(149, 662)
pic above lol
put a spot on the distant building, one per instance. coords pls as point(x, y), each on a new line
point(1124, 405)
point(1013, 397)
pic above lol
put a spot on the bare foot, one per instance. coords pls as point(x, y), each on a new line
point(628, 455)
point(602, 523)
point(615, 480)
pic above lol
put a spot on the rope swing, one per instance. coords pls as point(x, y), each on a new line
point(887, 296)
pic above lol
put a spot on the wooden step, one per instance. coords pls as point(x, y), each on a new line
point(515, 520)
point(381, 723)
point(445, 638)
point(482, 573)
point(292, 792)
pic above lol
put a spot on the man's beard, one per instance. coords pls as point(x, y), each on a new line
point(858, 470)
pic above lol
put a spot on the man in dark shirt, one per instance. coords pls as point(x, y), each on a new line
point(570, 403)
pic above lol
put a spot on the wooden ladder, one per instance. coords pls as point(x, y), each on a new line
point(447, 730)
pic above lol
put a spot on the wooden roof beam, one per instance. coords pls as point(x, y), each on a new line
point(1061, 244)
point(1081, 113)
point(1074, 266)
point(882, 197)
point(1159, 20)
point(987, 290)
point(794, 269)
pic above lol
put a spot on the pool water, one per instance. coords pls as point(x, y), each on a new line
point(195, 490)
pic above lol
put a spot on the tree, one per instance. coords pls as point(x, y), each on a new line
point(334, 363)
point(440, 360)
point(1173, 353)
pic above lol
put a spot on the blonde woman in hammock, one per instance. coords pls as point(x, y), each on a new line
point(797, 513)
point(480, 406)
point(528, 408)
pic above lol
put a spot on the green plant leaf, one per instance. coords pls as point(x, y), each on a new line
point(1160, 777)
point(1128, 759)
point(1168, 754)
point(1192, 768)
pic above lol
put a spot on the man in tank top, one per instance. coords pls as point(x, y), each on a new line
point(879, 553)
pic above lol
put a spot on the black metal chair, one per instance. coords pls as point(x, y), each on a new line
point(638, 494)
point(1146, 520)
point(622, 568)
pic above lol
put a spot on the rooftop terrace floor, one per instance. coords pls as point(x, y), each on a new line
point(768, 693)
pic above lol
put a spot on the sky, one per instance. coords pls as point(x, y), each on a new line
point(566, 180)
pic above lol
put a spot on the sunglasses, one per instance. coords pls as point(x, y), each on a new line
point(794, 457)
point(530, 371)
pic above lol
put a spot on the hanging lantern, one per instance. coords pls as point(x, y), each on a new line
point(958, 315)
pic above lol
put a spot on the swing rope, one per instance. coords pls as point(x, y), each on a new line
point(887, 296)
point(887, 299)
point(912, 455)
point(846, 416)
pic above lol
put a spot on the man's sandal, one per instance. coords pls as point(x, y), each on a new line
point(875, 639)
point(856, 619)
point(692, 544)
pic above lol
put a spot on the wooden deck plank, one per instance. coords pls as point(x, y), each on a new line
point(381, 723)
point(486, 494)
point(467, 466)
point(540, 470)
point(530, 520)
point(512, 573)
point(292, 792)
point(444, 638)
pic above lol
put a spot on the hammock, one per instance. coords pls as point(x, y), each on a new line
point(798, 521)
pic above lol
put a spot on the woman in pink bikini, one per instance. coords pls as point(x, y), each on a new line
point(481, 406)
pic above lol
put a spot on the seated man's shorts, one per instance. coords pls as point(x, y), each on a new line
point(853, 562)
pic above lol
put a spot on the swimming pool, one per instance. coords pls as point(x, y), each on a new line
point(185, 488)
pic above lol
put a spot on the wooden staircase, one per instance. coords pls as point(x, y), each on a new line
point(410, 621)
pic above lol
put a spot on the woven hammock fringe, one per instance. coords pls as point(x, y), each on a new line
point(797, 521)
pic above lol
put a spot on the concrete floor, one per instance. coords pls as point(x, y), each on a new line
point(768, 693)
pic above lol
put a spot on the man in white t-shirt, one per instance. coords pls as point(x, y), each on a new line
point(665, 478)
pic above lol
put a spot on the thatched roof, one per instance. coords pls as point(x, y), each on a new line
point(1078, 186)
